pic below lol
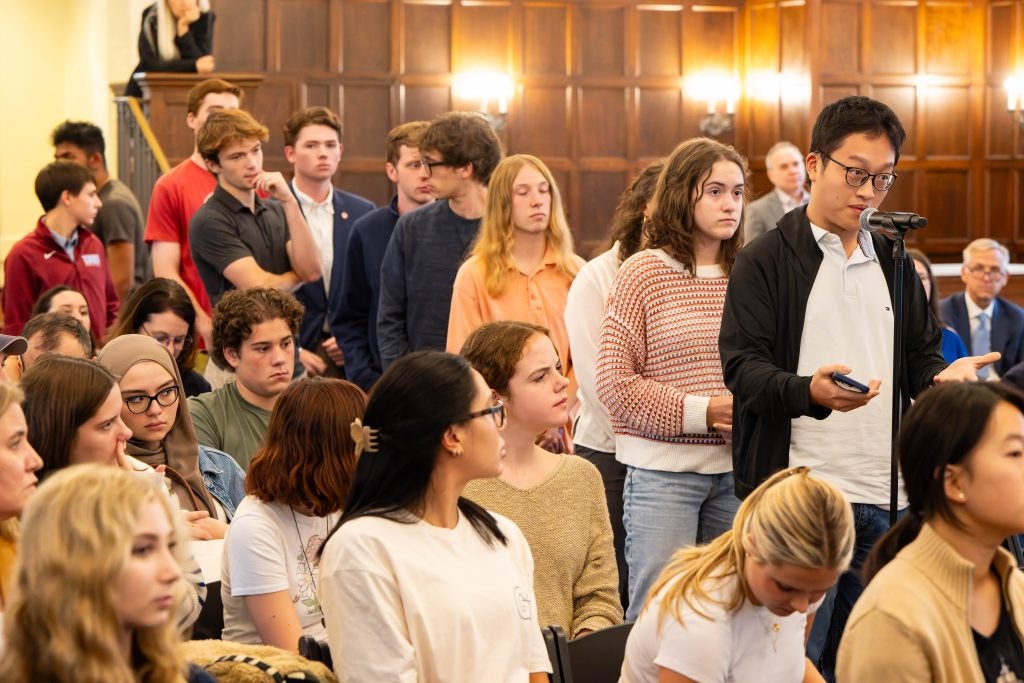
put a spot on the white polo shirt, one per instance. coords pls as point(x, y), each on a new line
point(849, 320)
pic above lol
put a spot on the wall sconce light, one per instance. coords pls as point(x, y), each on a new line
point(1014, 86)
point(492, 89)
point(721, 92)
point(770, 86)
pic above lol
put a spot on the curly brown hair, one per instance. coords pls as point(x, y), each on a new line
point(464, 137)
point(239, 310)
point(680, 186)
point(628, 220)
point(494, 349)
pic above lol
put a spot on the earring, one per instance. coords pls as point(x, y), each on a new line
point(456, 452)
point(961, 496)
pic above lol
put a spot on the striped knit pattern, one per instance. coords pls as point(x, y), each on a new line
point(659, 347)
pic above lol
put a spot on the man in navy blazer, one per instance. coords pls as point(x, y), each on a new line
point(984, 274)
point(313, 147)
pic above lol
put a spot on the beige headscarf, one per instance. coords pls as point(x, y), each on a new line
point(180, 448)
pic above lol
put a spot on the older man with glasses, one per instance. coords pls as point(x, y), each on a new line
point(982, 318)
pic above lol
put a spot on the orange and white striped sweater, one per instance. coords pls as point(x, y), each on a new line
point(658, 364)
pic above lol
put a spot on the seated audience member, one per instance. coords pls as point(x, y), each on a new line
point(658, 368)
point(11, 346)
point(296, 484)
point(61, 250)
point(415, 579)
point(785, 166)
point(312, 145)
point(522, 262)
point(52, 333)
point(18, 465)
point(459, 151)
point(253, 337)
point(953, 346)
point(239, 240)
point(97, 582)
point(355, 321)
point(66, 300)
point(119, 222)
point(203, 479)
point(944, 602)
point(983, 319)
point(593, 438)
point(73, 408)
point(178, 194)
point(177, 36)
point(739, 608)
point(556, 500)
point(161, 309)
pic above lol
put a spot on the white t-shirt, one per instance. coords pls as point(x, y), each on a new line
point(419, 603)
point(263, 554)
point(729, 647)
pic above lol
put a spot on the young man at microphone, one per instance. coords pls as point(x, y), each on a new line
point(813, 298)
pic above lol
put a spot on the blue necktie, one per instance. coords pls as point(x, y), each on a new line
point(980, 342)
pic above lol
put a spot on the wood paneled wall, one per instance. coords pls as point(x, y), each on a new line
point(598, 86)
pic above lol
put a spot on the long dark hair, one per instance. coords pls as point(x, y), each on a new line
point(933, 288)
point(942, 428)
point(628, 219)
point(680, 187)
point(412, 404)
point(61, 394)
point(159, 295)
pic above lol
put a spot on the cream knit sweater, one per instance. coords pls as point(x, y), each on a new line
point(565, 521)
point(912, 622)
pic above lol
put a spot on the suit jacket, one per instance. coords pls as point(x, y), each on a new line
point(761, 216)
point(347, 209)
point(1007, 328)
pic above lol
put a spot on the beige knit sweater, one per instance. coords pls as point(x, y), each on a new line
point(565, 521)
point(912, 623)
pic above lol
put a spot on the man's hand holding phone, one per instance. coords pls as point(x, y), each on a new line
point(840, 395)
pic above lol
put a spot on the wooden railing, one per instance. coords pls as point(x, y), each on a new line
point(140, 159)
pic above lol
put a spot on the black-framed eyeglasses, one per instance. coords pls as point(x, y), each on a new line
point(982, 272)
point(167, 340)
point(164, 397)
point(429, 165)
point(855, 177)
point(497, 413)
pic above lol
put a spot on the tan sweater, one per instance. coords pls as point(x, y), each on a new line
point(565, 521)
point(913, 621)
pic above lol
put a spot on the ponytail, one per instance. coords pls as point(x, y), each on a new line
point(902, 533)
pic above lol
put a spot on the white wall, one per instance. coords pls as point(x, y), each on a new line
point(69, 51)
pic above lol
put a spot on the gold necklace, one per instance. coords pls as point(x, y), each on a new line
point(771, 626)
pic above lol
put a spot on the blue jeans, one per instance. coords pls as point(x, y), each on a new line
point(664, 511)
point(870, 523)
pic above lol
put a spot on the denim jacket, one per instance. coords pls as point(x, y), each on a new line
point(224, 478)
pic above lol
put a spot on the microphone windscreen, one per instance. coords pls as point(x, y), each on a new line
point(865, 219)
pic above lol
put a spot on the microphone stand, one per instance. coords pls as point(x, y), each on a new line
point(899, 257)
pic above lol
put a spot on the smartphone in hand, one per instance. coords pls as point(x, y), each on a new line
point(849, 383)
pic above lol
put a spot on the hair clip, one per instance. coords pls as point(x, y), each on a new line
point(364, 436)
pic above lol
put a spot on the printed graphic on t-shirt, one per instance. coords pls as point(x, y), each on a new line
point(307, 582)
point(523, 603)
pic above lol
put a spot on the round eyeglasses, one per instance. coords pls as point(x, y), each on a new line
point(855, 177)
point(140, 404)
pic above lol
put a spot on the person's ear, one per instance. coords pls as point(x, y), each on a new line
point(232, 357)
point(451, 440)
point(953, 479)
point(94, 161)
point(811, 165)
point(212, 166)
point(289, 154)
point(391, 172)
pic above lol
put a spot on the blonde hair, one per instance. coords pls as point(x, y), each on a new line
point(62, 623)
point(791, 518)
point(494, 244)
point(10, 394)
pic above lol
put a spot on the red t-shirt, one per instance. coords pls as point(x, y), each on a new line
point(177, 195)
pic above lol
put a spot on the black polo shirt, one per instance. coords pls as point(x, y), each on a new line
point(224, 230)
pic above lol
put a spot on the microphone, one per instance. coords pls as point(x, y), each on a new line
point(892, 221)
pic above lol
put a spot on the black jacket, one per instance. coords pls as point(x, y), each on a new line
point(197, 42)
point(759, 342)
